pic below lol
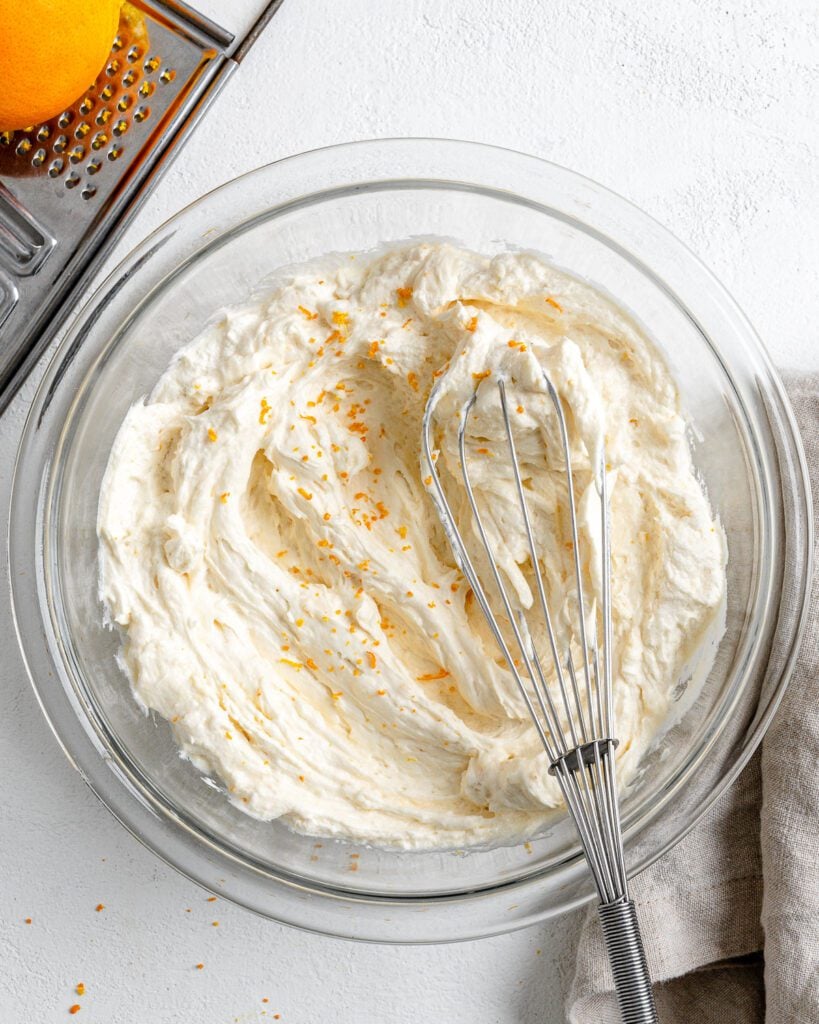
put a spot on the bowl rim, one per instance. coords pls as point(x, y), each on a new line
point(89, 754)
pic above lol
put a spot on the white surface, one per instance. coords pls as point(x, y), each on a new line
point(704, 114)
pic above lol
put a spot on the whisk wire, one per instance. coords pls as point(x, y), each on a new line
point(527, 661)
point(564, 438)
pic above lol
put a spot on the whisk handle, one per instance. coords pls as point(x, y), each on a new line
point(628, 962)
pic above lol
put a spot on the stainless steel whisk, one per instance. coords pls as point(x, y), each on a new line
point(580, 745)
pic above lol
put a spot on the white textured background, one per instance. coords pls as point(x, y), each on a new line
point(703, 113)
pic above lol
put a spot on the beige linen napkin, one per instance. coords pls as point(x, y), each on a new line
point(730, 916)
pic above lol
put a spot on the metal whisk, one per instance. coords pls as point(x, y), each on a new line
point(579, 740)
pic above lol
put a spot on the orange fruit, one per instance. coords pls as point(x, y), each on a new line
point(50, 52)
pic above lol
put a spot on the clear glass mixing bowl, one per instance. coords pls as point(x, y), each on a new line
point(213, 254)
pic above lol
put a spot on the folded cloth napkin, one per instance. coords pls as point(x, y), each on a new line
point(730, 916)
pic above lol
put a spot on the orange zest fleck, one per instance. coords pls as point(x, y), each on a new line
point(412, 380)
point(430, 677)
point(404, 295)
point(371, 659)
point(200, 967)
point(305, 494)
point(311, 664)
point(212, 435)
point(471, 325)
point(264, 411)
point(74, 1009)
point(340, 318)
point(553, 304)
point(223, 497)
point(308, 314)
point(288, 661)
point(80, 989)
point(99, 907)
point(336, 694)
point(482, 376)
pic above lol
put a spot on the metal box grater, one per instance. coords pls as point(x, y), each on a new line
point(69, 186)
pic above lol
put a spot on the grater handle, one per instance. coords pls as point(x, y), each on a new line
point(627, 957)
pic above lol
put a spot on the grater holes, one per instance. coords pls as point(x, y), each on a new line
point(75, 144)
point(89, 192)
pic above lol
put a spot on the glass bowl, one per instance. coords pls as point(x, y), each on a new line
point(215, 253)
